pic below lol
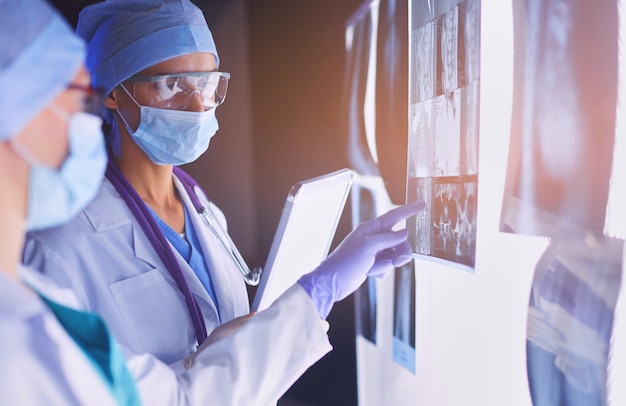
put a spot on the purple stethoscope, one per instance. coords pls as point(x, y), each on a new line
point(160, 244)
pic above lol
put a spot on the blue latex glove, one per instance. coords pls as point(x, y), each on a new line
point(371, 249)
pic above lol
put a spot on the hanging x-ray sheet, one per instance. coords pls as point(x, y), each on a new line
point(616, 208)
point(563, 122)
point(570, 321)
point(358, 105)
point(365, 207)
point(392, 94)
point(444, 81)
point(359, 113)
point(404, 316)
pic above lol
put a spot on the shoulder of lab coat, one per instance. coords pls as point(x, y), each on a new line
point(74, 253)
point(41, 364)
point(47, 287)
point(253, 366)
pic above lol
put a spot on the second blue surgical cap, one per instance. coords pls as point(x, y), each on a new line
point(125, 37)
point(39, 57)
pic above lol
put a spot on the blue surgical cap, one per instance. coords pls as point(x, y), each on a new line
point(39, 56)
point(125, 37)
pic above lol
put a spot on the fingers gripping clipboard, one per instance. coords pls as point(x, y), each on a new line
point(305, 231)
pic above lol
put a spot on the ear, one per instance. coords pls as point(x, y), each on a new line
point(111, 101)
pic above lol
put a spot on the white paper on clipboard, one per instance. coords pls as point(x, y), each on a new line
point(304, 233)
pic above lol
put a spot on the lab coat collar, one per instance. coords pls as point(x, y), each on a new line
point(21, 299)
point(16, 300)
point(41, 284)
point(109, 212)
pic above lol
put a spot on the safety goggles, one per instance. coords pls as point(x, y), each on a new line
point(92, 100)
point(176, 91)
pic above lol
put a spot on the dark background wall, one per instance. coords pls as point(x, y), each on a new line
point(280, 124)
point(297, 65)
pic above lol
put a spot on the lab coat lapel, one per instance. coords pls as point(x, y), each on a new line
point(220, 266)
point(192, 279)
point(146, 252)
point(109, 212)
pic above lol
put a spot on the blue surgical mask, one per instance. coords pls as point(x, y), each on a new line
point(172, 137)
point(56, 196)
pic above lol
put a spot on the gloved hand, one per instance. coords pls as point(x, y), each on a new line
point(371, 249)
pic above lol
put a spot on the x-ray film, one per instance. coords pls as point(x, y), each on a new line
point(443, 128)
point(366, 296)
point(447, 229)
point(570, 321)
point(404, 316)
point(563, 124)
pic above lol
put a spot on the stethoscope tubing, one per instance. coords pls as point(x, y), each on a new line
point(251, 277)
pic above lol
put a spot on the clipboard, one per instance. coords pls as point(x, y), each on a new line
point(305, 231)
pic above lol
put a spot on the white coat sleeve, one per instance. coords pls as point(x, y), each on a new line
point(253, 366)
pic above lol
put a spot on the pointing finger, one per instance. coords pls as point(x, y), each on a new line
point(393, 217)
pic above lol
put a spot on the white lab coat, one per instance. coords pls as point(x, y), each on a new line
point(107, 259)
point(114, 272)
point(253, 366)
point(41, 365)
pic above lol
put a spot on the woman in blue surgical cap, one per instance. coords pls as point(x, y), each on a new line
point(150, 253)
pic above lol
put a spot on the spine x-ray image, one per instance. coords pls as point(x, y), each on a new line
point(443, 128)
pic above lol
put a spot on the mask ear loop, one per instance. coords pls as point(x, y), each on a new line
point(121, 115)
point(59, 112)
point(130, 95)
point(24, 153)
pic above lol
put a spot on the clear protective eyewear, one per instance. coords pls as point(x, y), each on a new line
point(176, 91)
point(92, 99)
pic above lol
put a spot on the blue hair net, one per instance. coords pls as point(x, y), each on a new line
point(125, 37)
point(39, 57)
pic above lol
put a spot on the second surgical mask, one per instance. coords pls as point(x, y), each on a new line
point(57, 195)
